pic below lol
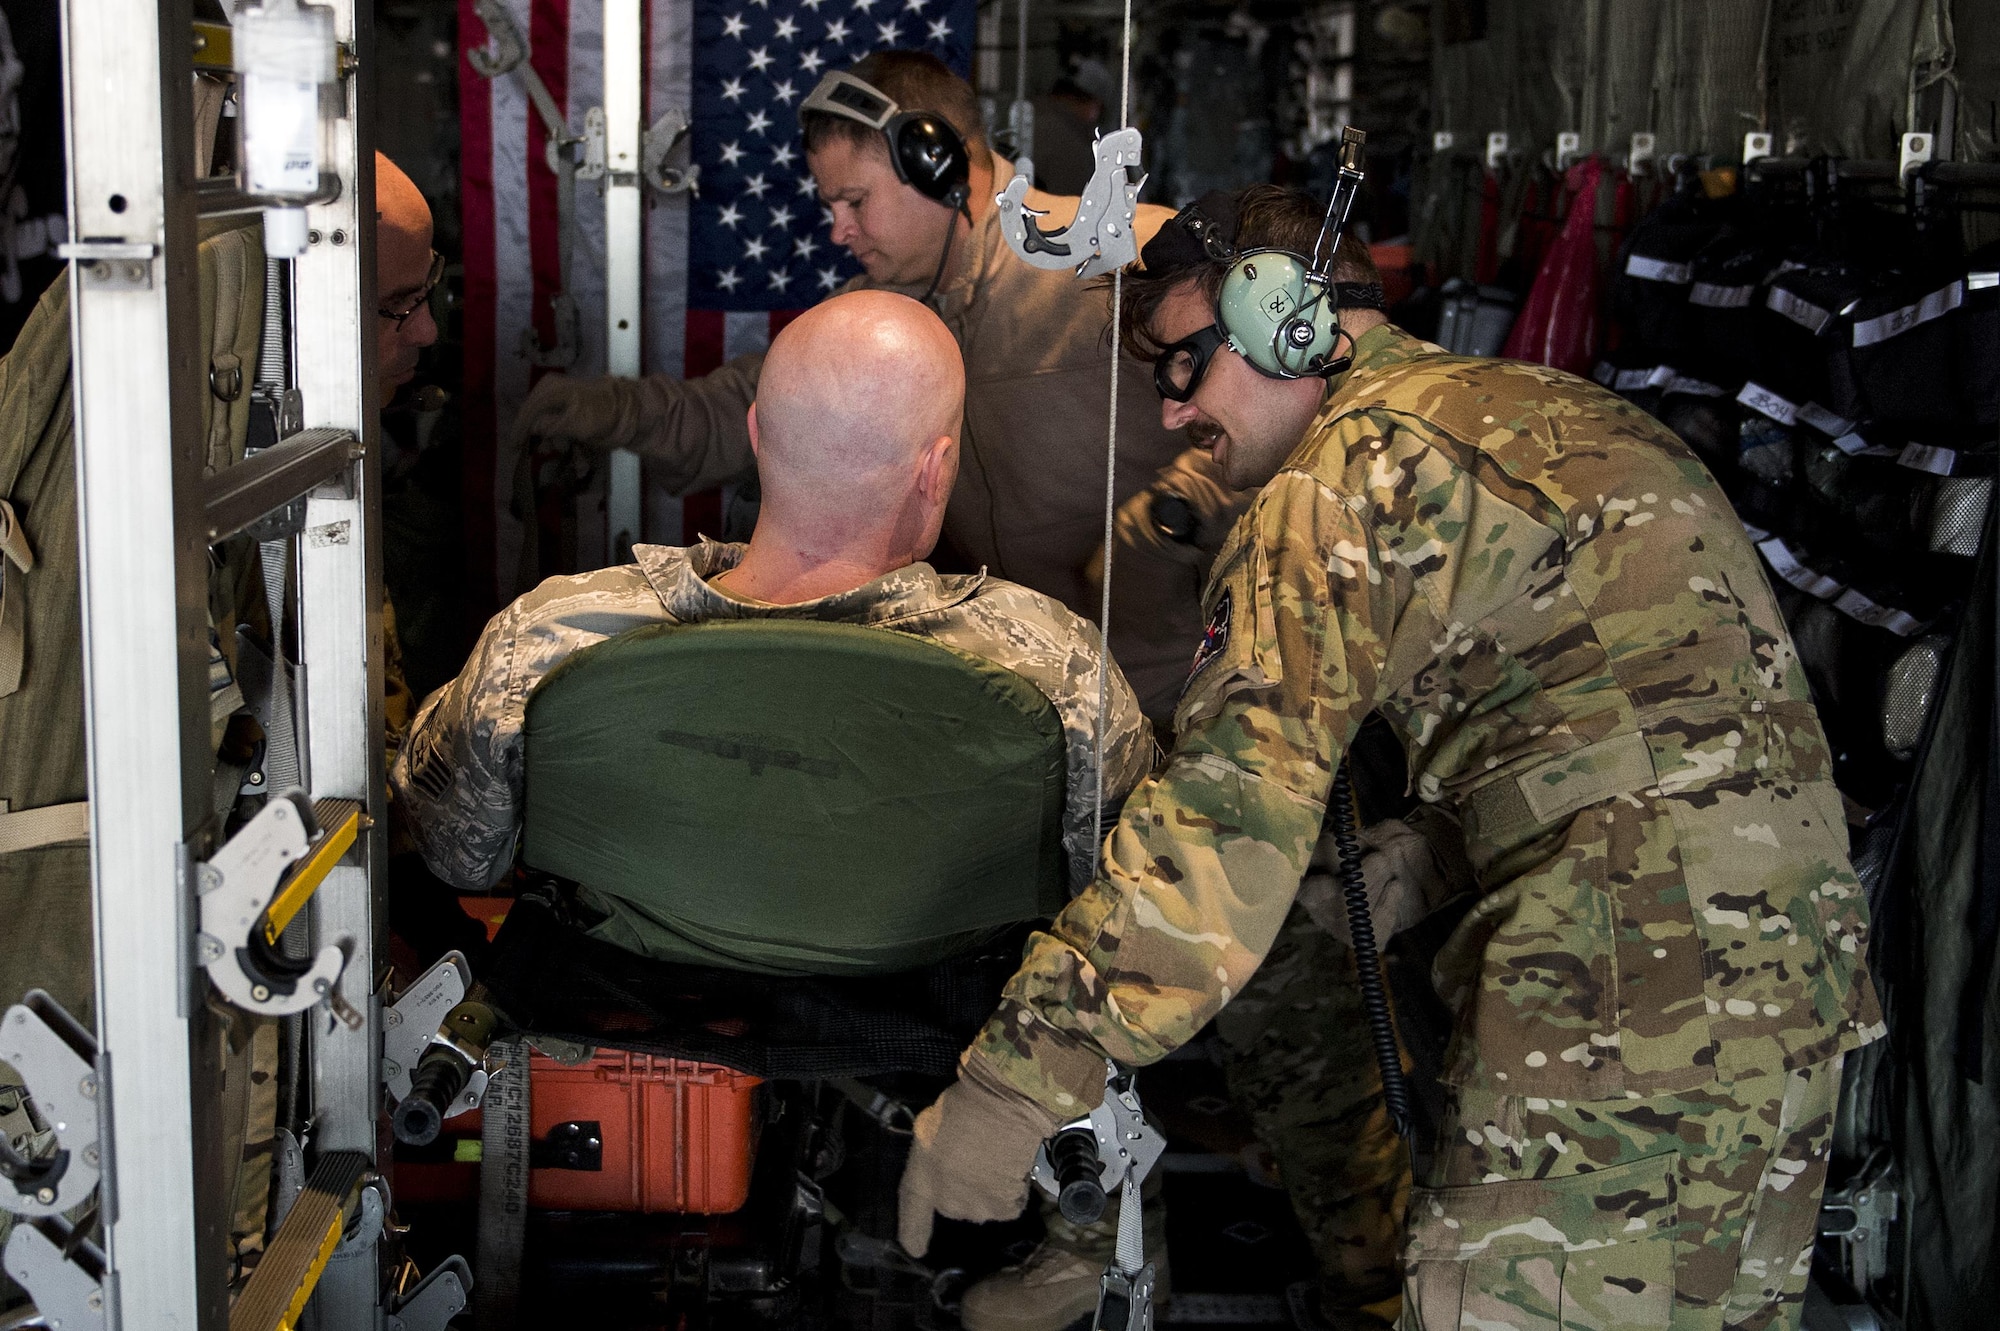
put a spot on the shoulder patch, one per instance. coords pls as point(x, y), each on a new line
point(1214, 635)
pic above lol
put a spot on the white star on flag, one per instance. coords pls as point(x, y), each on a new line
point(753, 243)
point(757, 59)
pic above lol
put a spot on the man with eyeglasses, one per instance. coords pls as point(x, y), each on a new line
point(407, 272)
point(1663, 964)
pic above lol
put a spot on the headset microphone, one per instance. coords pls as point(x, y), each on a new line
point(1280, 310)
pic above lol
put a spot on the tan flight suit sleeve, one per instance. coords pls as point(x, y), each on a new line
point(691, 432)
point(1149, 526)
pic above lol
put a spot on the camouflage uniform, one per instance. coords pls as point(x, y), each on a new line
point(458, 778)
point(1554, 605)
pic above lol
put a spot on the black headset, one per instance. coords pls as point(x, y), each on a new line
point(928, 154)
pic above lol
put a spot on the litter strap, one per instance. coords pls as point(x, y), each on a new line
point(14, 552)
point(552, 979)
point(50, 825)
point(503, 1188)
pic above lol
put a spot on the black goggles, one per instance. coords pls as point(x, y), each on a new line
point(1178, 369)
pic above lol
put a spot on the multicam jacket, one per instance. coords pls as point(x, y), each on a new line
point(458, 778)
point(1554, 604)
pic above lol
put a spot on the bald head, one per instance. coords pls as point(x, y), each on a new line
point(856, 431)
point(398, 201)
point(402, 267)
point(856, 386)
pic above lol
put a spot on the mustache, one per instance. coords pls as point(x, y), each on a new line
point(1202, 432)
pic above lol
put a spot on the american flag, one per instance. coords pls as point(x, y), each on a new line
point(724, 270)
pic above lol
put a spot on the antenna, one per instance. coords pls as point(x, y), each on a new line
point(1346, 185)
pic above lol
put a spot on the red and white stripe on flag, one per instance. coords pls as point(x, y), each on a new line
point(513, 271)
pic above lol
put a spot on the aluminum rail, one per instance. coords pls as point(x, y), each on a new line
point(237, 496)
point(138, 384)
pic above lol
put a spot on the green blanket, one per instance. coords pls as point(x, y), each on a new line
point(795, 797)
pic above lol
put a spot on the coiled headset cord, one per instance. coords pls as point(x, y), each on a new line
point(1361, 927)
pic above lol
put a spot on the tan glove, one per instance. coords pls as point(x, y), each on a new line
point(1185, 514)
point(1409, 870)
point(595, 412)
point(970, 1154)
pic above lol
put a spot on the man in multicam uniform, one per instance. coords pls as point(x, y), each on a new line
point(855, 425)
point(1555, 607)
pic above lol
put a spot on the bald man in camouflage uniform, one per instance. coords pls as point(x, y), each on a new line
point(1552, 602)
point(856, 426)
point(460, 774)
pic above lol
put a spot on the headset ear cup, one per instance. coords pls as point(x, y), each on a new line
point(930, 157)
point(1276, 316)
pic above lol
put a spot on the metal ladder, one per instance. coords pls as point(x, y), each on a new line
point(164, 881)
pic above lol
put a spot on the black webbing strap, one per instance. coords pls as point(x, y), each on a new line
point(552, 979)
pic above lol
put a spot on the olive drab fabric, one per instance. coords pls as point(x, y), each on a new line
point(42, 761)
point(231, 268)
point(1690, 71)
point(458, 778)
point(795, 797)
point(1552, 602)
point(1843, 76)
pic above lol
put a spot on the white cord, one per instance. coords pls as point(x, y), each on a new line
point(1021, 58)
point(1110, 487)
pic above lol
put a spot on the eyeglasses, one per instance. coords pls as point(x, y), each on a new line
point(1177, 370)
point(423, 296)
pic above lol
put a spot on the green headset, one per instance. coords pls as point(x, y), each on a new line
point(1281, 311)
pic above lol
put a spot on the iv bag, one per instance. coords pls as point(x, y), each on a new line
point(284, 55)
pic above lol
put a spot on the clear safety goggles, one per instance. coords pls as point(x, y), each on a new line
point(1178, 369)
